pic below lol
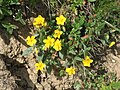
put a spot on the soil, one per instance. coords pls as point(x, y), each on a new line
point(18, 72)
point(113, 60)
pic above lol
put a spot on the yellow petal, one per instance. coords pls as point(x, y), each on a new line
point(44, 40)
point(28, 38)
point(86, 63)
point(67, 70)
point(40, 66)
point(57, 18)
point(32, 37)
point(91, 60)
point(34, 41)
point(111, 44)
point(70, 70)
point(87, 57)
point(36, 64)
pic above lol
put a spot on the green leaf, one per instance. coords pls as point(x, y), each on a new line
point(91, 0)
point(77, 58)
point(88, 48)
point(27, 51)
point(106, 87)
point(77, 85)
point(82, 20)
point(78, 23)
point(72, 52)
point(62, 72)
point(1, 2)
point(18, 17)
point(49, 69)
point(14, 2)
point(36, 35)
point(103, 42)
point(1, 11)
point(106, 37)
point(60, 55)
point(40, 57)
point(10, 27)
point(6, 11)
point(115, 85)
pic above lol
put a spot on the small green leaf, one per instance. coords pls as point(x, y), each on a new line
point(36, 35)
point(106, 37)
point(77, 58)
point(27, 51)
point(49, 69)
point(10, 27)
point(72, 52)
point(88, 48)
point(40, 58)
point(1, 2)
point(6, 11)
point(62, 72)
point(115, 85)
point(106, 87)
point(14, 2)
point(1, 11)
point(18, 17)
point(82, 20)
point(103, 42)
point(60, 55)
point(77, 85)
point(91, 0)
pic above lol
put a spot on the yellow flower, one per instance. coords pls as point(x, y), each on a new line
point(57, 33)
point(87, 61)
point(60, 20)
point(39, 21)
point(111, 44)
point(57, 45)
point(40, 66)
point(49, 42)
point(31, 40)
point(70, 70)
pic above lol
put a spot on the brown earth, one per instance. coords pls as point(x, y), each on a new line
point(113, 64)
point(18, 72)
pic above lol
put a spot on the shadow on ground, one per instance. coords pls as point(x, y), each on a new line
point(19, 72)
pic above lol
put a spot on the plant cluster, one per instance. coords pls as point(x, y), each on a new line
point(66, 40)
point(69, 40)
point(10, 10)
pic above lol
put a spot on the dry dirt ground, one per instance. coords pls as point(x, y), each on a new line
point(18, 72)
